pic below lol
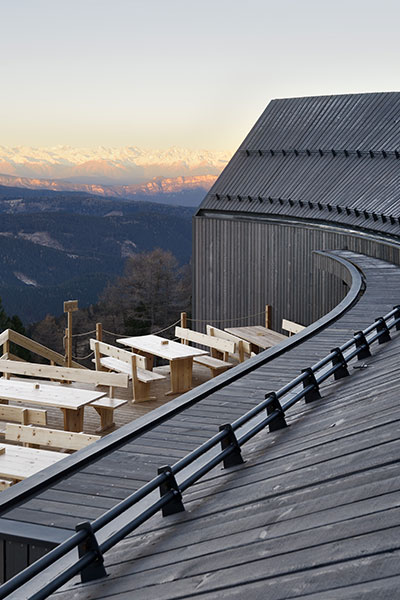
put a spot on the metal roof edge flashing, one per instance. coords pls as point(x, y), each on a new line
point(276, 218)
point(15, 495)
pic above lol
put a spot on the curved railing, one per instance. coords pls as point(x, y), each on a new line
point(125, 434)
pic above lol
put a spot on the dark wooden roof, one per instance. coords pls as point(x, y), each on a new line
point(312, 509)
point(330, 158)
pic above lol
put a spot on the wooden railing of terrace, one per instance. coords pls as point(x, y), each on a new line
point(9, 336)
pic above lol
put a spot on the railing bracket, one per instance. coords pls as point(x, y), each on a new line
point(235, 457)
point(175, 505)
point(339, 359)
point(362, 345)
point(397, 316)
point(313, 393)
point(95, 570)
point(274, 405)
point(382, 328)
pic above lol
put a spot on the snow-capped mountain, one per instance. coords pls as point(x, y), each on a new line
point(122, 166)
point(156, 188)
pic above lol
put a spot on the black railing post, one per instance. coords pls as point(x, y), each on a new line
point(312, 394)
point(175, 505)
point(383, 330)
point(362, 344)
point(397, 316)
point(339, 359)
point(95, 570)
point(274, 405)
point(235, 457)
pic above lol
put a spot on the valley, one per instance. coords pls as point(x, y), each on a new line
point(60, 245)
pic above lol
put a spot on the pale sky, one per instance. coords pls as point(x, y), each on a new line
point(190, 73)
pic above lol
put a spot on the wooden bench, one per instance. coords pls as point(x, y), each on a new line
point(216, 365)
point(18, 463)
point(291, 327)
point(116, 359)
point(5, 483)
point(64, 374)
point(33, 437)
point(105, 409)
point(243, 347)
point(20, 414)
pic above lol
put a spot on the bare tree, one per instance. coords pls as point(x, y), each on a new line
point(150, 294)
point(148, 297)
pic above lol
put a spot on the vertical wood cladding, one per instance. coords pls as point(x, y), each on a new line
point(241, 265)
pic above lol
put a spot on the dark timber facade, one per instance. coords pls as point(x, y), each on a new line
point(313, 174)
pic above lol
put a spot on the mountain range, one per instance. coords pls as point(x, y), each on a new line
point(121, 166)
point(183, 190)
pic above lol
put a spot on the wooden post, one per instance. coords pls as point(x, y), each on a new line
point(99, 332)
point(267, 316)
point(213, 352)
point(6, 352)
point(69, 339)
point(184, 325)
point(70, 306)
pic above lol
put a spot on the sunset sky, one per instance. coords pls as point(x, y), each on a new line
point(196, 74)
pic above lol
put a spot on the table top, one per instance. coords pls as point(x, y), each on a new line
point(158, 346)
point(258, 335)
point(60, 396)
point(17, 462)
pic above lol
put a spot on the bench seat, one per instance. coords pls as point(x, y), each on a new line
point(216, 365)
point(226, 347)
point(135, 366)
point(5, 483)
point(105, 409)
point(119, 365)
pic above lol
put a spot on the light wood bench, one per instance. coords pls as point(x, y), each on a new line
point(216, 365)
point(64, 374)
point(6, 483)
point(20, 414)
point(33, 437)
point(243, 347)
point(115, 359)
point(291, 327)
point(18, 463)
point(105, 409)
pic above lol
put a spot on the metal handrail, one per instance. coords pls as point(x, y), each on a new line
point(91, 553)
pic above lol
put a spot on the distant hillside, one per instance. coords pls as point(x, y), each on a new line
point(179, 191)
point(15, 200)
point(55, 245)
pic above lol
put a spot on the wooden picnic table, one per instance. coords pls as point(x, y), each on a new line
point(179, 356)
point(71, 401)
point(258, 336)
point(18, 463)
